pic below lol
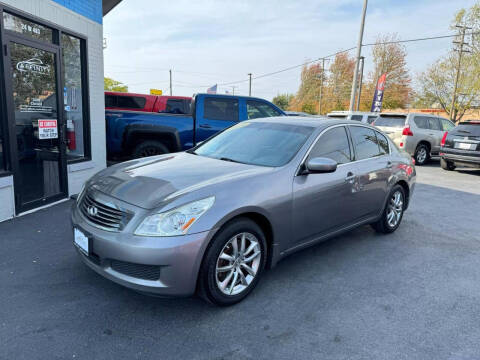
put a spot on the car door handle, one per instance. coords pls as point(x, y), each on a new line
point(205, 126)
point(350, 177)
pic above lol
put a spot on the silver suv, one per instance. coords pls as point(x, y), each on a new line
point(417, 133)
point(364, 117)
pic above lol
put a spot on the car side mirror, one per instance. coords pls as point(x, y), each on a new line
point(319, 165)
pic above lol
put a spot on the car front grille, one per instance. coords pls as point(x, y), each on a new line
point(103, 215)
point(139, 271)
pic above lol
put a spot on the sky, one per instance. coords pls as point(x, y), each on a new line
point(208, 42)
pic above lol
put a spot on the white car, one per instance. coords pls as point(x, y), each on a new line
point(364, 117)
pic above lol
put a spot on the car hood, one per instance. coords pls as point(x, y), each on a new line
point(148, 182)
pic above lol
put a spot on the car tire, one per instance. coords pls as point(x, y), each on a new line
point(214, 285)
point(149, 148)
point(395, 204)
point(447, 165)
point(422, 154)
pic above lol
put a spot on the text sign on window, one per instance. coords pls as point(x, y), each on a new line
point(27, 28)
point(47, 129)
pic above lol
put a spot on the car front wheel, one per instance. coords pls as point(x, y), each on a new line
point(233, 263)
point(393, 213)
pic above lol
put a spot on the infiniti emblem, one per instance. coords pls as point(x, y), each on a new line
point(92, 211)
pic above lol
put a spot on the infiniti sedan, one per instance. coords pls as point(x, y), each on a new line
point(211, 220)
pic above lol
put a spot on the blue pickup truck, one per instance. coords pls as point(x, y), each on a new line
point(134, 134)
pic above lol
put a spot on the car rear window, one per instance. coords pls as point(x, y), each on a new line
point(391, 121)
point(468, 129)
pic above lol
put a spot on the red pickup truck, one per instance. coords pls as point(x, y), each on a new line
point(147, 103)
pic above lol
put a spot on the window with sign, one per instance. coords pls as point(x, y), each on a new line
point(74, 98)
point(27, 28)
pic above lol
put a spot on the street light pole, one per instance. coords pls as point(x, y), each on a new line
point(321, 88)
point(357, 60)
point(360, 83)
point(170, 82)
point(250, 84)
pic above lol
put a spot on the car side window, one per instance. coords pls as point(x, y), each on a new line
point(356, 117)
point(110, 101)
point(447, 125)
point(382, 143)
point(259, 109)
point(333, 144)
point(371, 119)
point(131, 102)
point(221, 109)
point(365, 142)
point(175, 106)
point(422, 122)
point(435, 124)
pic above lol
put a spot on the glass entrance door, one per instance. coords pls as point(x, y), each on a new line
point(35, 125)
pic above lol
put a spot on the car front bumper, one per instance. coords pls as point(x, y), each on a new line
point(163, 266)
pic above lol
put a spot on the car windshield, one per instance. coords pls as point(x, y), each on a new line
point(391, 121)
point(257, 143)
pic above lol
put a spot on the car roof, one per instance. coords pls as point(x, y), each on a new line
point(316, 122)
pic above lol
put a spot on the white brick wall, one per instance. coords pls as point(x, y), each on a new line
point(57, 14)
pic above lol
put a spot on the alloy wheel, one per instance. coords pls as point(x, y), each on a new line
point(395, 209)
point(238, 263)
point(421, 155)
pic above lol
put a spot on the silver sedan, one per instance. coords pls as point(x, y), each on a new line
point(210, 220)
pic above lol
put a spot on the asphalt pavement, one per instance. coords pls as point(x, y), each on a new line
point(414, 294)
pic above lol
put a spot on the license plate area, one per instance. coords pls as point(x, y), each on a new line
point(81, 241)
point(465, 146)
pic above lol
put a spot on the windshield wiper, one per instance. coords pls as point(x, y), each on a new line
point(231, 160)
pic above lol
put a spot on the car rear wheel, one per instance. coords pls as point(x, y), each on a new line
point(422, 154)
point(233, 263)
point(393, 213)
point(149, 148)
point(447, 165)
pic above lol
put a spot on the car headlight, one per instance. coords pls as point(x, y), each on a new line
point(176, 221)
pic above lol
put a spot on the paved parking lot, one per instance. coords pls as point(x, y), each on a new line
point(411, 295)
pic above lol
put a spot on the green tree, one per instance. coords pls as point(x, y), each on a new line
point(113, 85)
point(437, 82)
point(283, 100)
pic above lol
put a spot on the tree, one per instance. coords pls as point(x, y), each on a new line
point(389, 58)
point(437, 82)
point(113, 85)
point(340, 82)
point(306, 99)
point(283, 100)
point(436, 87)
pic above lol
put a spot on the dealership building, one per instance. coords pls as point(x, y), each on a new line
point(52, 127)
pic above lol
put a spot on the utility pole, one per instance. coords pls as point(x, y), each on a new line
point(170, 82)
point(359, 54)
point(320, 95)
point(362, 59)
point(250, 84)
point(460, 50)
point(233, 89)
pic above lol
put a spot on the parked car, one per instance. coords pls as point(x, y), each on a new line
point(364, 117)
point(417, 133)
point(132, 134)
point(461, 146)
point(147, 103)
point(211, 219)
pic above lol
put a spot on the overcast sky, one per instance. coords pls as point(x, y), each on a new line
point(206, 42)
